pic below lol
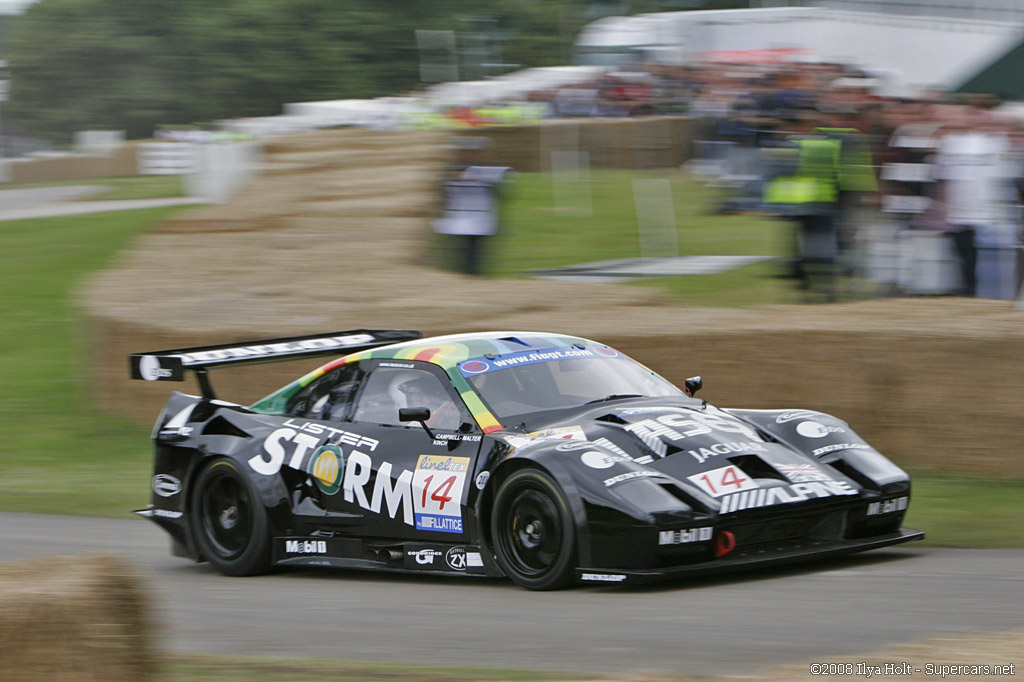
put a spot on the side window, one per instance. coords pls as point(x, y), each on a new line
point(389, 389)
point(329, 397)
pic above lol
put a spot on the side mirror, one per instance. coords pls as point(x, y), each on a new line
point(416, 414)
point(413, 414)
point(693, 384)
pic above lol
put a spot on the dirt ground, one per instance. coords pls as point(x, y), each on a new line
point(334, 235)
point(955, 657)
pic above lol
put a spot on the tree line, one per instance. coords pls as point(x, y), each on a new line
point(111, 64)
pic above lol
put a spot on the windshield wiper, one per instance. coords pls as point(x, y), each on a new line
point(614, 396)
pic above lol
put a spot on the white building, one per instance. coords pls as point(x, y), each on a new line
point(926, 44)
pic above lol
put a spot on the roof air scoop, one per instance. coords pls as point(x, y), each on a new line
point(514, 339)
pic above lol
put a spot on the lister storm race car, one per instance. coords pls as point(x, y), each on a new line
point(546, 458)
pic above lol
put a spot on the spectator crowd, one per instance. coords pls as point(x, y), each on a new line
point(939, 214)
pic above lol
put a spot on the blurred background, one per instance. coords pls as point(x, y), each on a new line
point(916, 189)
point(813, 204)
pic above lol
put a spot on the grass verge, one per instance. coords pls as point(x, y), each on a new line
point(960, 511)
point(57, 453)
point(550, 223)
point(140, 187)
point(123, 187)
point(230, 669)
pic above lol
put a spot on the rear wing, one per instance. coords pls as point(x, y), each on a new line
point(170, 365)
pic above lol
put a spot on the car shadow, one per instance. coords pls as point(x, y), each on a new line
point(760, 574)
point(748, 575)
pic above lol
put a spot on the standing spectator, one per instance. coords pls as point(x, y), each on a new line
point(473, 198)
point(976, 189)
point(833, 172)
point(855, 173)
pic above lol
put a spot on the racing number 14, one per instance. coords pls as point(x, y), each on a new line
point(441, 478)
point(438, 495)
point(728, 478)
point(723, 481)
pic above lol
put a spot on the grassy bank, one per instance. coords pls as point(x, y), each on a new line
point(60, 455)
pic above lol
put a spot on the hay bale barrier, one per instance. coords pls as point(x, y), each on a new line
point(74, 619)
point(336, 236)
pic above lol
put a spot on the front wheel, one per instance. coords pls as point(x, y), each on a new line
point(229, 523)
point(533, 531)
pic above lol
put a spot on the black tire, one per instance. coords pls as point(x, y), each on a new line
point(229, 522)
point(533, 531)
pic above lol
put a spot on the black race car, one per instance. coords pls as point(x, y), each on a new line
point(546, 458)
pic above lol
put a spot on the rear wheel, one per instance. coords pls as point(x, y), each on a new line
point(533, 531)
point(229, 523)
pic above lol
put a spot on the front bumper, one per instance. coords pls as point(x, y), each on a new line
point(757, 557)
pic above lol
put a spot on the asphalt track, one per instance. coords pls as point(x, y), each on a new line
point(737, 625)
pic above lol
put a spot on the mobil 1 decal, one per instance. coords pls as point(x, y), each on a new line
point(437, 484)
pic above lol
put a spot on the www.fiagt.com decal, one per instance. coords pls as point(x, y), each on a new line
point(483, 365)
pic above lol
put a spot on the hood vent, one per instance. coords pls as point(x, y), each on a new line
point(755, 467)
point(844, 467)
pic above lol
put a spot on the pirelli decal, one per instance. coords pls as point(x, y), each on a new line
point(798, 492)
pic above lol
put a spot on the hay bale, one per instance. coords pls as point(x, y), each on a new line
point(75, 619)
point(653, 143)
point(76, 167)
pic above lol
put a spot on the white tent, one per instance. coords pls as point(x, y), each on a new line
point(917, 52)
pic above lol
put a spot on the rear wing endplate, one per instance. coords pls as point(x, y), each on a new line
point(170, 365)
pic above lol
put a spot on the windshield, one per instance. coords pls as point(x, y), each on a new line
point(535, 381)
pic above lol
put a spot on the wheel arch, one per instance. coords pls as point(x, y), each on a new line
point(272, 491)
point(255, 555)
point(545, 462)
